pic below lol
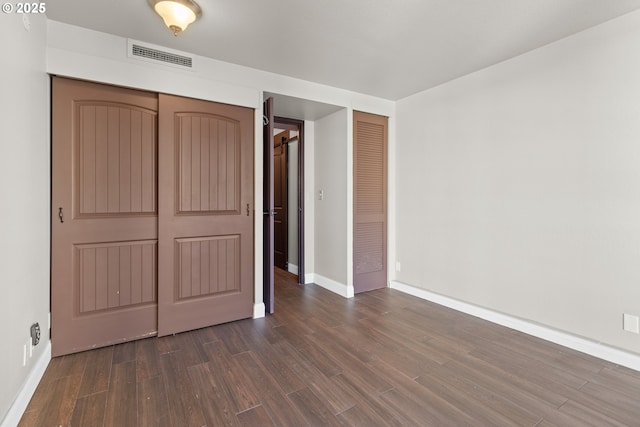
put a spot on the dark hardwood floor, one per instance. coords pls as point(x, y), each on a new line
point(381, 358)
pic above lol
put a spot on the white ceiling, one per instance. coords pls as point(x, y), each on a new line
point(386, 48)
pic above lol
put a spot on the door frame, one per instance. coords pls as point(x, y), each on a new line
point(297, 125)
point(267, 207)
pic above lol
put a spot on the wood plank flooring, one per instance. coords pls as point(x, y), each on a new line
point(380, 359)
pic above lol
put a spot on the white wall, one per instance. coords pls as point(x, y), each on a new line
point(518, 187)
point(24, 201)
point(330, 213)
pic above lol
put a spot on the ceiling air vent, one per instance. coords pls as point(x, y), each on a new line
point(138, 50)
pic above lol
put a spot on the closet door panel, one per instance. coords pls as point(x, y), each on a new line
point(104, 225)
point(205, 214)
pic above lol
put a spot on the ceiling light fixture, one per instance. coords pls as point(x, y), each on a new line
point(177, 14)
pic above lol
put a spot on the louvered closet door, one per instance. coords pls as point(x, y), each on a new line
point(205, 253)
point(104, 219)
point(370, 202)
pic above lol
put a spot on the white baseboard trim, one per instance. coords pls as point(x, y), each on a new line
point(335, 287)
point(293, 268)
point(258, 310)
point(309, 278)
point(29, 387)
point(593, 348)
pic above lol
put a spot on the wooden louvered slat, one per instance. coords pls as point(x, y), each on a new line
point(370, 202)
point(371, 162)
point(368, 251)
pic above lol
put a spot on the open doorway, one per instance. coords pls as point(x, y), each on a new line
point(283, 140)
point(288, 195)
point(287, 113)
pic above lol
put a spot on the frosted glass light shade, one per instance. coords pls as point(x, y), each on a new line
point(177, 14)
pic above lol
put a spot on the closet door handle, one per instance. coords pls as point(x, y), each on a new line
point(60, 215)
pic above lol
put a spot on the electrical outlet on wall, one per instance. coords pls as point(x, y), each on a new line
point(35, 334)
point(398, 266)
point(631, 323)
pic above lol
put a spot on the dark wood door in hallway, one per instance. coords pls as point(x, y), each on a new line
point(382, 358)
point(280, 201)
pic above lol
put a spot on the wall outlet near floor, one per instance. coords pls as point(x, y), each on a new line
point(398, 266)
point(631, 323)
point(35, 334)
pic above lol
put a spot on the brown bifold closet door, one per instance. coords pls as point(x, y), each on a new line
point(370, 201)
point(104, 220)
point(205, 202)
